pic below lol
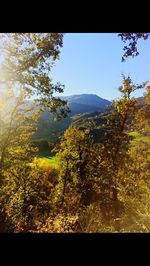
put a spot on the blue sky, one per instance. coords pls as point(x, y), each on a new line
point(91, 63)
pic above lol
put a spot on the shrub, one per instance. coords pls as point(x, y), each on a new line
point(27, 194)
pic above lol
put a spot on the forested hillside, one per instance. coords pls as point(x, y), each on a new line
point(50, 129)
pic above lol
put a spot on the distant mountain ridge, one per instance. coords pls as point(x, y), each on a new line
point(78, 104)
point(82, 103)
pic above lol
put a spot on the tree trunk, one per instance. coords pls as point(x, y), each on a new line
point(116, 210)
point(64, 185)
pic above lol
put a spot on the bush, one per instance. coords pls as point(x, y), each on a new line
point(90, 220)
point(61, 223)
point(27, 195)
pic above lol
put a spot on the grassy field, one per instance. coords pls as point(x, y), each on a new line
point(46, 159)
point(48, 162)
point(138, 137)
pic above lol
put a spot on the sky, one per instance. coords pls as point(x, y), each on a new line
point(91, 63)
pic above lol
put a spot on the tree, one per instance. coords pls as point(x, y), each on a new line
point(132, 40)
point(75, 153)
point(114, 150)
point(26, 195)
point(18, 123)
point(25, 190)
point(27, 59)
point(134, 189)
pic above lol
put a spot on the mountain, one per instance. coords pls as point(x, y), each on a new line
point(79, 105)
point(86, 103)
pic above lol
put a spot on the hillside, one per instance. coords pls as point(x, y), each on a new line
point(86, 110)
point(78, 104)
point(83, 103)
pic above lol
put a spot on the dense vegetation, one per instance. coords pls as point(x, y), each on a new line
point(95, 179)
point(50, 129)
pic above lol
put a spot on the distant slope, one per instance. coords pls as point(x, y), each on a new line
point(78, 108)
point(83, 103)
point(78, 104)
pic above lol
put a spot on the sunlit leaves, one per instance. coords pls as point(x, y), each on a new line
point(28, 58)
point(18, 123)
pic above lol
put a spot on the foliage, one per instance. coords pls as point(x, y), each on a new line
point(113, 153)
point(61, 223)
point(88, 186)
point(134, 189)
point(27, 62)
point(17, 126)
point(132, 40)
point(75, 152)
point(27, 195)
point(90, 220)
